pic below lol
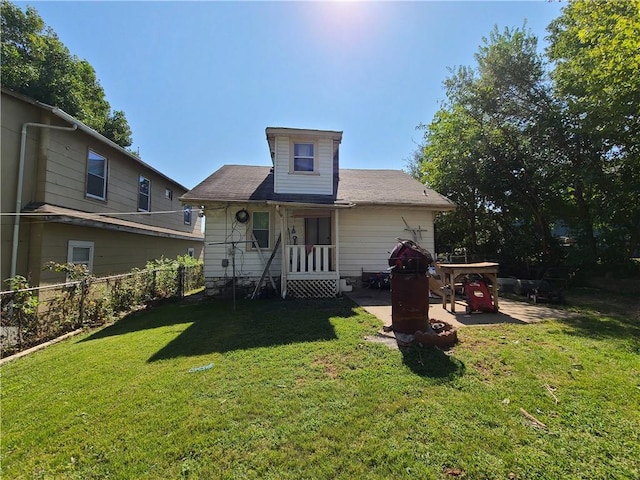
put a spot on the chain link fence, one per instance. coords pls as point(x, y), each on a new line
point(31, 316)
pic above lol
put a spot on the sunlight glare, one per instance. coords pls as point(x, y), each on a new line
point(346, 25)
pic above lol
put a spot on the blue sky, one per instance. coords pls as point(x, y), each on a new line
point(200, 81)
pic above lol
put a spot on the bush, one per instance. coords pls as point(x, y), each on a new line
point(42, 314)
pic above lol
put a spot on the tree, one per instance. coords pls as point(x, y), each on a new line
point(117, 129)
point(545, 144)
point(36, 63)
point(492, 148)
point(450, 166)
point(595, 45)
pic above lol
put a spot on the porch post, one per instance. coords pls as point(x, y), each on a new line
point(337, 230)
point(283, 245)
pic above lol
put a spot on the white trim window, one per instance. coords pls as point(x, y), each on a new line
point(144, 194)
point(187, 214)
point(168, 194)
point(191, 252)
point(304, 157)
point(260, 227)
point(96, 176)
point(80, 253)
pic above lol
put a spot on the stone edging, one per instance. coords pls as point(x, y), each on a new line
point(39, 347)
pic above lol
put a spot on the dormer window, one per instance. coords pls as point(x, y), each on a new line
point(303, 157)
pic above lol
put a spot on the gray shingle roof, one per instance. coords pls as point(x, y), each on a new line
point(66, 215)
point(244, 183)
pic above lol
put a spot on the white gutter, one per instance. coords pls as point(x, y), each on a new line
point(309, 205)
point(90, 131)
point(23, 148)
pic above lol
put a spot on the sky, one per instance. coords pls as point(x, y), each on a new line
point(200, 81)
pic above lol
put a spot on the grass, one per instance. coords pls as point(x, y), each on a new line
point(295, 392)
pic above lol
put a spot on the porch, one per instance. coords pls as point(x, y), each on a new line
point(311, 271)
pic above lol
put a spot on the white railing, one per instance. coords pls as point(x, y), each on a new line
point(310, 259)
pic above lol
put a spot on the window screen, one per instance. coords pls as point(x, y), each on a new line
point(303, 157)
point(96, 176)
point(261, 228)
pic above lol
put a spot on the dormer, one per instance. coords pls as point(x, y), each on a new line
point(304, 161)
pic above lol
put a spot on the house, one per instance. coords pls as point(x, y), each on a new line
point(71, 195)
point(311, 222)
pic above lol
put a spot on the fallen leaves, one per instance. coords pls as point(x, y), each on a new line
point(454, 472)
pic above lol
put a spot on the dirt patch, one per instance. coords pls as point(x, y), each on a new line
point(328, 367)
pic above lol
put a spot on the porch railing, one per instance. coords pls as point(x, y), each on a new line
point(310, 259)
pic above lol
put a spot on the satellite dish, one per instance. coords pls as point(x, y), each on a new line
point(242, 216)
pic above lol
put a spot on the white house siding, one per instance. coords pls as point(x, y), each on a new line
point(368, 234)
point(318, 183)
point(221, 232)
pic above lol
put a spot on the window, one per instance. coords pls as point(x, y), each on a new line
point(144, 194)
point(168, 194)
point(96, 176)
point(187, 215)
point(80, 253)
point(260, 226)
point(303, 158)
point(191, 252)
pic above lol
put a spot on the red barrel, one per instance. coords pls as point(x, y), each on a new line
point(409, 302)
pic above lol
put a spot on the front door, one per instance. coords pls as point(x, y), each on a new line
point(317, 231)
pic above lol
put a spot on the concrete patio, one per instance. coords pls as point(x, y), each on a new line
point(378, 303)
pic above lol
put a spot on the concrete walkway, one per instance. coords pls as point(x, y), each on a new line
point(378, 303)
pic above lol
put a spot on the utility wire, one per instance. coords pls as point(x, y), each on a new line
point(105, 214)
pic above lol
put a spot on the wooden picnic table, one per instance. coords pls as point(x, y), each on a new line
point(449, 273)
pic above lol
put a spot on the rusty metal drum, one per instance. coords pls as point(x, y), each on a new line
point(409, 302)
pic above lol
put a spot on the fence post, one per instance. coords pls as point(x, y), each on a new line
point(83, 294)
point(181, 281)
point(20, 327)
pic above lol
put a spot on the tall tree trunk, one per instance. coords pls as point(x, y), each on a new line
point(585, 220)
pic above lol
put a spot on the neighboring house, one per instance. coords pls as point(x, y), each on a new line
point(81, 198)
point(332, 223)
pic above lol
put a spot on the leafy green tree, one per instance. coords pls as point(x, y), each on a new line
point(595, 45)
point(490, 148)
point(451, 147)
point(36, 63)
point(117, 129)
point(542, 149)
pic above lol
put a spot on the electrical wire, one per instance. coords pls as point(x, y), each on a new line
point(104, 214)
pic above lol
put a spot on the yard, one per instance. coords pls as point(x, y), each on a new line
point(290, 389)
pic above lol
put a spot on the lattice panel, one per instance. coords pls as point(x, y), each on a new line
point(312, 288)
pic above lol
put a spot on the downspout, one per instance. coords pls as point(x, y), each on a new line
point(16, 222)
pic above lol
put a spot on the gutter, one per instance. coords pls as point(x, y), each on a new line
point(90, 131)
point(309, 205)
point(23, 148)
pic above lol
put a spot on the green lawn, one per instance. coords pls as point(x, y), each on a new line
point(296, 392)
